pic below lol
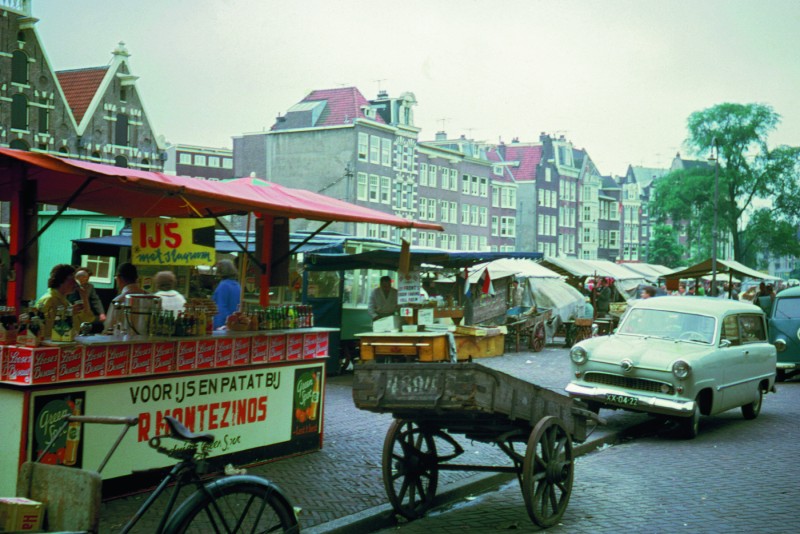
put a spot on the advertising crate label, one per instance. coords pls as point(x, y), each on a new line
point(206, 353)
point(141, 358)
point(277, 348)
point(322, 344)
point(224, 352)
point(45, 365)
point(18, 365)
point(259, 352)
point(163, 357)
point(70, 363)
point(186, 355)
point(294, 346)
point(118, 359)
point(94, 361)
point(241, 351)
point(310, 345)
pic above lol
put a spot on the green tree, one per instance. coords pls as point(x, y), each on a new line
point(769, 237)
point(749, 171)
point(664, 248)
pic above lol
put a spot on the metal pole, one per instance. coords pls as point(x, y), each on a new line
point(714, 234)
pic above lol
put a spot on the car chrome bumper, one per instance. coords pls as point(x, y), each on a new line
point(786, 365)
point(646, 403)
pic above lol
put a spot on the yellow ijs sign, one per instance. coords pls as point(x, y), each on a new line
point(158, 241)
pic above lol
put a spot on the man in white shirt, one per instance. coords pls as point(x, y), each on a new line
point(383, 300)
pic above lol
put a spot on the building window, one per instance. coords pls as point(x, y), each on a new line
point(423, 174)
point(213, 161)
point(121, 161)
point(19, 67)
point(361, 186)
point(386, 190)
point(453, 212)
point(465, 184)
point(484, 187)
point(445, 179)
point(465, 214)
point(102, 267)
point(474, 217)
point(19, 112)
point(19, 144)
point(44, 116)
point(185, 159)
point(423, 208)
point(484, 214)
point(453, 180)
point(123, 94)
point(199, 160)
point(464, 242)
point(508, 226)
point(386, 152)
point(475, 186)
point(363, 147)
point(495, 196)
point(374, 188)
point(375, 149)
point(495, 225)
point(227, 163)
point(444, 210)
point(121, 130)
point(432, 210)
point(432, 176)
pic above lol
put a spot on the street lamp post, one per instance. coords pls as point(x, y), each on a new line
point(715, 145)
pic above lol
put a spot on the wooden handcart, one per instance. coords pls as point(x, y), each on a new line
point(526, 327)
point(431, 402)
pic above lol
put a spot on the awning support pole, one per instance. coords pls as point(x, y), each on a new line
point(303, 242)
point(238, 243)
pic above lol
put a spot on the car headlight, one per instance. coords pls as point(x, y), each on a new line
point(780, 345)
point(578, 355)
point(681, 369)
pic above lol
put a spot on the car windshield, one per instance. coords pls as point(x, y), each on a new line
point(787, 308)
point(669, 325)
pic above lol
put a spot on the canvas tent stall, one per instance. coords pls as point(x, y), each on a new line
point(650, 271)
point(726, 271)
point(577, 271)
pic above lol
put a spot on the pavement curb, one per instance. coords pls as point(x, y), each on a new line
point(382, 517)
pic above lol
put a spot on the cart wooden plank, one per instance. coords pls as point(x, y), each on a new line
point(416, 391)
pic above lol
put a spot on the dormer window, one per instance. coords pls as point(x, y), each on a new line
point(123, 94)
point(368, 111)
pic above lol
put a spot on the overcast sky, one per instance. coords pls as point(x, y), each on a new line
point(618, 77)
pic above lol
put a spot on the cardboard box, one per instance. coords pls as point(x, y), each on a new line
point(26, 365)
point(277, 348)
point(94, 361)
point(387, 324)
point(118, 360)
point(2, 363)
point(224, 352)
point(186, 356)
point(294, 346)
point(206, 353)
point(163, 357)
point(70, 363)
point(259, 349)
point(322, 344)
point(141, 359)
point(18, 514)
point(241, 351)
point(309, 346)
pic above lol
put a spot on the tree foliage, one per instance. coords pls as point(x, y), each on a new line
point(664, 248)
point(751, 175)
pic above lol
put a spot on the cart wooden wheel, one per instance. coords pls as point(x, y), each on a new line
point(537, 337)
point(547, 472)
point(410, 468)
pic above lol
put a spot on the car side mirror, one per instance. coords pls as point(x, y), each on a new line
point(725, 343)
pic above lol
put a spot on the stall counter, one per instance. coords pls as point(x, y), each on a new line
point(260, 393)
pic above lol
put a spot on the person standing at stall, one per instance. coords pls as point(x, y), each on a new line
point(127, 281)
point(165, 282)
point(82, 276)
point(383, 299)
point(603, 298)
point(228, 292)
point(60, 284)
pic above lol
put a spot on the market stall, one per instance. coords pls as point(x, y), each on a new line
point(259, 385)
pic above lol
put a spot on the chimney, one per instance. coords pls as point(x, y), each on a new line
point(441, 135)
point(383, 94)
point(280, 119)
point(501, 149)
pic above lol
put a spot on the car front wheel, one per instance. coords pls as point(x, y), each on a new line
point(751, 411)
point(690, 426)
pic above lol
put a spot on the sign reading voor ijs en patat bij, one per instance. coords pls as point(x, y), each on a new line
point(159, 241)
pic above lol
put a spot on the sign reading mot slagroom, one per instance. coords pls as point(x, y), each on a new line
point(158, 241)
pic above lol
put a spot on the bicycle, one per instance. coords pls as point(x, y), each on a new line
point(235, 503)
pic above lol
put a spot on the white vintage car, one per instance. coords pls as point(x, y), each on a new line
point(679, 357)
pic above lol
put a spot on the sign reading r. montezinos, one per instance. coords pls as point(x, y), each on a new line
point(161, 241)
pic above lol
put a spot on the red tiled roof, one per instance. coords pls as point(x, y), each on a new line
point(79, 88)
point(344, 104)
point(528, 157)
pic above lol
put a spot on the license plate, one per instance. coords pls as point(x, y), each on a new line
point(622, 399)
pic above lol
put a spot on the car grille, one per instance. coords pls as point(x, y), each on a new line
point(625, 382)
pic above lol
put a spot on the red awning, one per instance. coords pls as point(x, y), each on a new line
point(134, 193)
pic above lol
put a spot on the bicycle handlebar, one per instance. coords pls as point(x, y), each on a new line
point(102, 419)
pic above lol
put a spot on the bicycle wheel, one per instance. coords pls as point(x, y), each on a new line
point(235, 504)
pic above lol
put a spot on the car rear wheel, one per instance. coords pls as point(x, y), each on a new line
point(780, 375)
point(751, 411)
